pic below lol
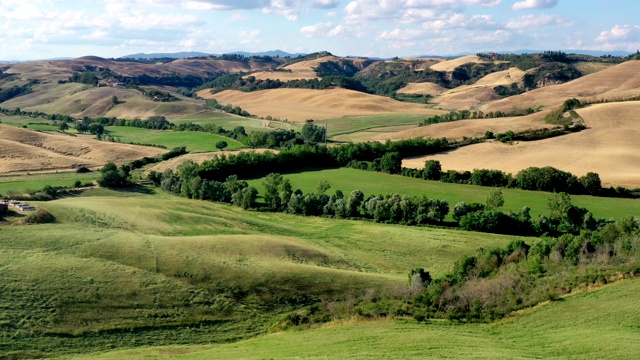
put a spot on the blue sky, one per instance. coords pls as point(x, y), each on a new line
point(36, 29)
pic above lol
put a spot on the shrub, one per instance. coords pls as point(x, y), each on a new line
point(39, 216)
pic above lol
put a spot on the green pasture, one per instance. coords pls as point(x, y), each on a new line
point(194, 141)
point(131, 268)
point(229, 122)
point(353, 124)
point(376, 183)
point(21, 184)
point(601, 324)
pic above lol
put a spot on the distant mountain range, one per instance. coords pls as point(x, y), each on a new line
point(182, 55)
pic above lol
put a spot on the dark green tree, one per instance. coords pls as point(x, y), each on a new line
point(432, 170)
point(221, 144)
point(391, 163)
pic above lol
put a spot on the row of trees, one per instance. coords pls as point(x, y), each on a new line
point(279, 196)
point(534, 178)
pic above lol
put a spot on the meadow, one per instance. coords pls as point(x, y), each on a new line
point(124, 269)
point(590, 325)
point(194, 141)
point(353, 124)
point(376, 183)
point(229, 122)
point(32, 182)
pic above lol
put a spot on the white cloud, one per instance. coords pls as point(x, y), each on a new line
point(626, 37)
point(325, 4)
point(317, 30)
point(534, 4)
point(620, 32)
point(407, 10)
point(531, 21)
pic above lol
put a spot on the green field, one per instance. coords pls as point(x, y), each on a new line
point(376, 183)
point(30, 123)
point(228, 121)
point(348, 125)
point(121, 269)
point(28, 183)
point(601, 324)
point(194, 141)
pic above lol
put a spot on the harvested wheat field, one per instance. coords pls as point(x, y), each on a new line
point(452, 130)
point(23, 151)
point(618, 81)
point(303, 70)
point(609, 147)
point(301, 104)
point(425, 88)
point(450, 65)
point(197, 158)
point(468, 96)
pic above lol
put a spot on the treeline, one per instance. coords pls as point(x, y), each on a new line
point(250, 83)
point(495, 282)
point(535, 134)
point(476, 114)
point(279, 196)
point(119, 177)
point(546, 178)
point(15, 91)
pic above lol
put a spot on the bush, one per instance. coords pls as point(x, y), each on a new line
point(40, 216)
point(82, 170)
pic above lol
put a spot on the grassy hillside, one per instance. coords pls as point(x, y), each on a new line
point(592, 325)
point(375, 183)
point(122, 269)
point(194, 141)
point(27, 183)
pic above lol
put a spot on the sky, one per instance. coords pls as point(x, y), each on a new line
point(43, 29)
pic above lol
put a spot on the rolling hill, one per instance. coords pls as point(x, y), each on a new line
point(609, 147)
point(301, 104)
point(28, 151)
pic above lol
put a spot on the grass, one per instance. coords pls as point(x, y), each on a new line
point(194, 141)
point(375, 183)
point(229, 122)
point(593, 325)
point(27, 183)
point(121, 269)
point(353, 124)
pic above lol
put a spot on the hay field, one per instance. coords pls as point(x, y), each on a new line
point(452, 130)
point(450, 65)
point(23, 151)
point(302, 70)
point(81, 100)
point(425, 88)
point(301, 104)
point(618, 81)
point(608, 147)
point(198, 158)
point(469, 96)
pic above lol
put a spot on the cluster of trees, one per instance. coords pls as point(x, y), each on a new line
point(535, 134)
point(533, 178)
point(279, 196)
point(467, 114)
point(112, 176)
point(563, 218)
point(157, 95)
point(495, 282)
point(15, 91)
point(236, 110)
